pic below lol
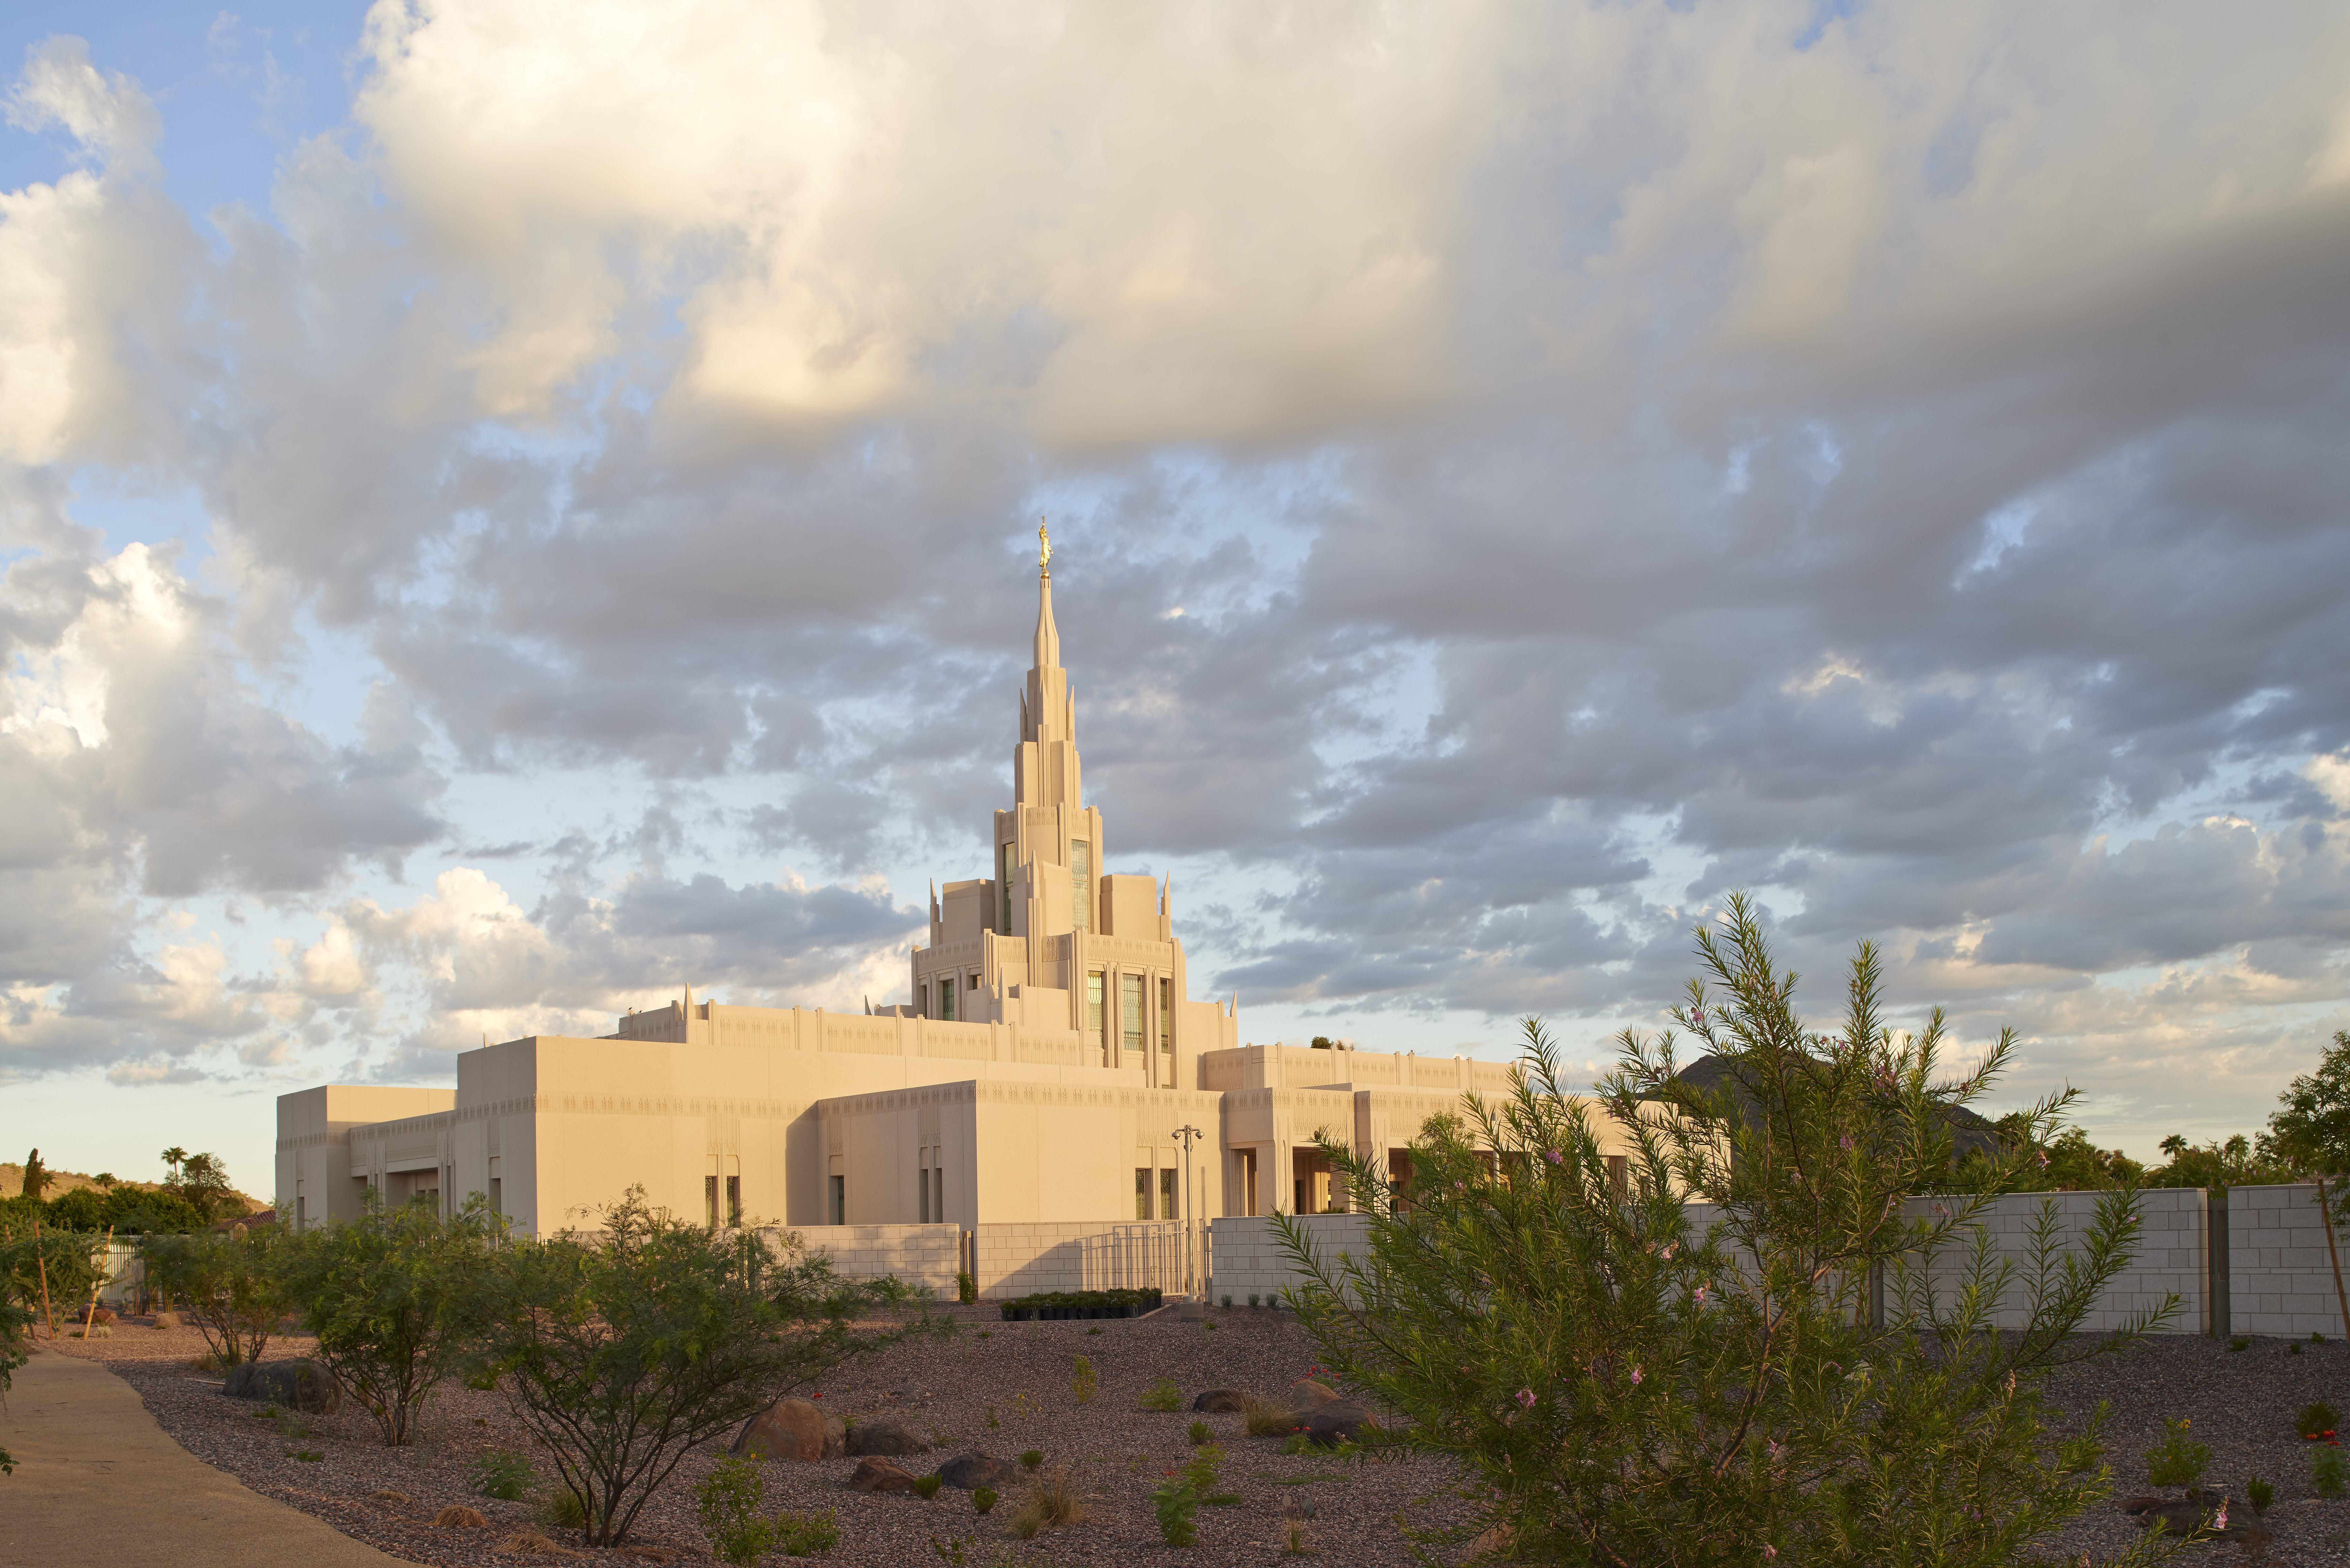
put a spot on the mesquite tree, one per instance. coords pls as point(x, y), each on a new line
point(1626, 1380)
point(394, 1298)
point(623, 1347)
point(229, 1280)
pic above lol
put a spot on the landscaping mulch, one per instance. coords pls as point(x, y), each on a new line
point(1018, 1377)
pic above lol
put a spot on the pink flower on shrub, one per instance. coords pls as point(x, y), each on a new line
point(1526, 1397)
point(1701, 1293)
point(1552, 1154)
point(1636, 1375)
point(1845, 1142)
point(1769, 1549)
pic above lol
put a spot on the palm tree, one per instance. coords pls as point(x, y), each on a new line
point(172, 1157)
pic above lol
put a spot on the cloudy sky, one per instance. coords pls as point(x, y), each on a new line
point(509, 507)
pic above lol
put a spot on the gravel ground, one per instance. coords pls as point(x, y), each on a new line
point(2241, 1404)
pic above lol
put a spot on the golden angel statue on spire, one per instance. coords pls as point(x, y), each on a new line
point(1043, 547)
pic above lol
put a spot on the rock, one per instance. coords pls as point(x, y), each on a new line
point(457, 1516)
point(167, 1320)
point(297, 1385)
point(791, 1430)
point(886, 1437)
point(1225, 1401)
point(2177, 1516)
point(880, 1475)
point(969, 1472)
point(1339, 1419)
point(1307, 1395)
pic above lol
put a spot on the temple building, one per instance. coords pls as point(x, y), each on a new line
point(1052, 1073)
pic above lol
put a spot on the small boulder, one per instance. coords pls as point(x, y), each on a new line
point(167, 1320)
point(1225, 1401)
point(880, 1475)
point(969, 1472)
point(889, 1438)
point(295, 1385)
point(791, 1430)
point(1337, 1420)
point(1307, 1395)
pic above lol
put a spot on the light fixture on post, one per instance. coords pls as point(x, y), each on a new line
point(1186, 1133)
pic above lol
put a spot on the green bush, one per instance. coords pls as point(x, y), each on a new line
point(394, 1296)
point(1060, 1302)
point(1619, 1380)
point(966, 1287)
point(1083, 1383)
point(727, 1501)
point(1163, 1396)
point(232, 1280)
point(502, 1474)
point(1177, 1503)
point(806, 1534)
point(2326, 1477)
point(1200, 1433)
point(2239, 1343)
point(560, 1509)
point(2315, 1419)
point(2259, 1494)
point(983, 1499)
point(624, 1347)
point(1032, 1458)
point(2177, 1461)
point(927, 1487)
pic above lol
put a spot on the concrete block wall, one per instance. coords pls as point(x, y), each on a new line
point(2281, 1279)
point(921, 1255)
point(1247, 1258)
point(2170, 1257)
point(1024, 1258)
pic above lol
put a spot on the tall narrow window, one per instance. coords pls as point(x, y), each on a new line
point(1003, 888)
point(938, 1195)
point(1094, 1002)
point(1167, 1015)
point(923, 1187)
point(946, 998)
point(735, 1200)
point(1619, 1176)
point(1166, 1209)
point(1081, 881)
point(1248, 1181)
point(1142, 1192)
point(840, 1201)
point(1130, 1010)
point(710, 1199)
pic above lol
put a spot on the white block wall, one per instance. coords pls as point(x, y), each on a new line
point(2280, 1279)
point(1247, 1256)
point(1027, 1258)
point(2170, 1257)
point(924, 1256)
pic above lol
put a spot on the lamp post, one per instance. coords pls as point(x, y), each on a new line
point(1186, 1133)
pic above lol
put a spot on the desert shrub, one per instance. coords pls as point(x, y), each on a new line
point(1201, 1432)
point(983, 1500)
point(2176, 1460)
point(560, 1509)
point(1177, 1504)
point(927, 1487)
point(2259, 1494)
point(622, 1348)
point(2239, 1343)
point(966, 1287)
point(14, 1322)
point(806, 1534)
point(69, 1259)
point(2326, 1477)
point(1054, 1500)
point(727, 1502)
point(1163, 1396)
point(502, 1474)
point(1083, 1383)
point(2315, 1419)
point(1621, 1384)
point(232, 1282)
point(392, 1296)
point(457, 1516)
point(1032, 1458)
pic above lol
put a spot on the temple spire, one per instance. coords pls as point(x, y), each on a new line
point(1048, 636)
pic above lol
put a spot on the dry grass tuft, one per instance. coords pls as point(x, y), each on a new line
point(532, 1543)
point(388, 1495)
point(457, 1516)
point(1269, 1420)
point(1054, 1500)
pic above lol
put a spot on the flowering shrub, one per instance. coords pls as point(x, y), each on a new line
point(2177, 1461)
point(1624, 1380)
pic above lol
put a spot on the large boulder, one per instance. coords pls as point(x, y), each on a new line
point(1225, 1401)
point(297, 1385)
point(880, 1475)
point(969, 1472)
point(791, 1430)
point(890, 1438)
point(1336, 1421)
point(1307, 1395)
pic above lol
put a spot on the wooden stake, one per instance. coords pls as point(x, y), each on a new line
point(2326, 1215)
point(90, 1314)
